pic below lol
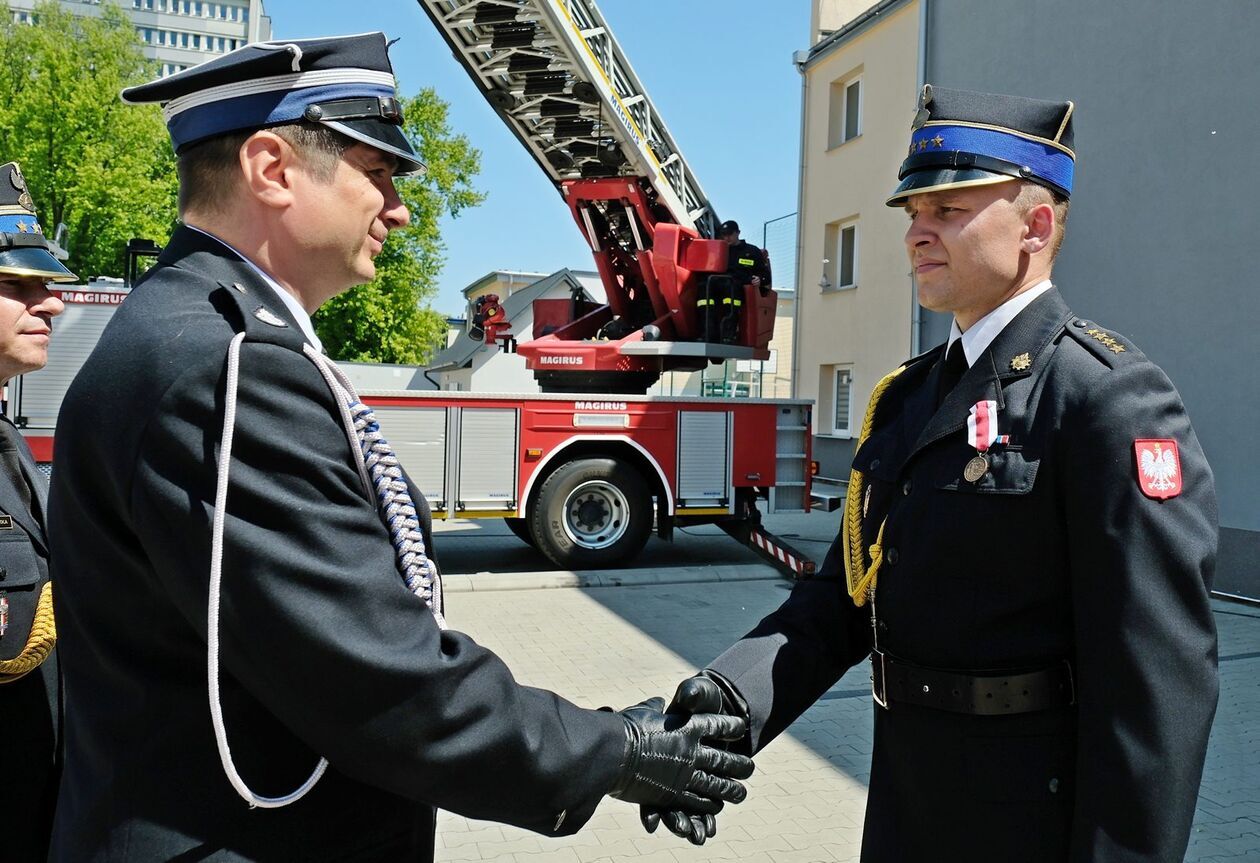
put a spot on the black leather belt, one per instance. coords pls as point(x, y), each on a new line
point(989, 694)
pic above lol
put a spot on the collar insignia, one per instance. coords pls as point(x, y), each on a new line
point(267, 316)
point(1022, 362)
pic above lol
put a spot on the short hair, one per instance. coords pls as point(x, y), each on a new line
point(1033, 195)
point(209, 169)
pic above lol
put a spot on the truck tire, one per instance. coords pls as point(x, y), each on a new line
point(592, 513)
point(520, 527)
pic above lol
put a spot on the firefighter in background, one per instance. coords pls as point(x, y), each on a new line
point(30, 708)
point(721, 304)
point(488, 318)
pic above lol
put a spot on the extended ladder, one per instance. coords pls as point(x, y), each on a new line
point(554, 72)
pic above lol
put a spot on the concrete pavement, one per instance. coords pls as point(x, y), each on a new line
point(616, 645)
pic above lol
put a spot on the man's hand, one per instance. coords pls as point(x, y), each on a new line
point(698, 694)
point(667, 764)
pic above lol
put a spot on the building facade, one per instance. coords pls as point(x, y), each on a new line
point(178, 33)
point(1156, 247)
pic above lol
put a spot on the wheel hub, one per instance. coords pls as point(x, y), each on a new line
point(596, 514)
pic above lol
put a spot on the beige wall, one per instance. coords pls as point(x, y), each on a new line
point(827, 16)
point(866, 327)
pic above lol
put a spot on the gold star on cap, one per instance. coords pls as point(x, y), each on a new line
point(1022, 362)
point(23, 227)
point(938, 141)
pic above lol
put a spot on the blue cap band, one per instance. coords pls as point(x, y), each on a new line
point(9, 224)
point(261, 109)
point(1047, 162)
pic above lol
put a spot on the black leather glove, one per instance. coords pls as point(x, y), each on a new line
point(667, 764)
point(698, 694)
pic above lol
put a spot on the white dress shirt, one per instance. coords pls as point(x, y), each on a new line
point(982, 333)
point(290, 301)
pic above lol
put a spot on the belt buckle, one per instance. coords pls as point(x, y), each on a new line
point(879, 685)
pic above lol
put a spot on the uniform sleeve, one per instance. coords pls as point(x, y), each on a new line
point(1145, 663)
point(317, 626)
point(797, 652)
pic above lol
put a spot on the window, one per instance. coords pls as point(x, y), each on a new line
point(840, 263)
point(844, 119)
point(841, 399)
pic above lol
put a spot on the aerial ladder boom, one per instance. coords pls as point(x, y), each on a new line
point(557, 77)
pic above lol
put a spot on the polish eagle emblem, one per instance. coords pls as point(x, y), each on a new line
point(1159, 468)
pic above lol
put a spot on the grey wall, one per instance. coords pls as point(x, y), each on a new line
point(1163, 241)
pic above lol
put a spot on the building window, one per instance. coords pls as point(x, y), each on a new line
point(844, 119)
point(840, 263)
point(835, 400)
point(841, 399)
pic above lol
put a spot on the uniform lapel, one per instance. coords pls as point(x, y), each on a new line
point(11, 500)
point(1029, 333)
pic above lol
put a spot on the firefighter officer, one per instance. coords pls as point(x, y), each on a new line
point(257, 653)
point(30, 703)
point(1028, 544)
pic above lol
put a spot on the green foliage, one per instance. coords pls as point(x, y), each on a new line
point(103, 168)
point(388, 321)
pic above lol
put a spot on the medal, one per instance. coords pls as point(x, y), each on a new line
point(982, 433)
point(976, 468)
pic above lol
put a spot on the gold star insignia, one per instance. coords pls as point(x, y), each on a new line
point(938, 141)
point(1022, 362)
point(922, 145)
point(22, 227)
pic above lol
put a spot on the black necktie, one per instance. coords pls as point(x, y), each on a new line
point(954, 367)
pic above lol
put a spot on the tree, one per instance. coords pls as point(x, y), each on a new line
point(387, 320)
point(103, 168)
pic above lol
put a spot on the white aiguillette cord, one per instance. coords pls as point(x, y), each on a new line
point(419, 572)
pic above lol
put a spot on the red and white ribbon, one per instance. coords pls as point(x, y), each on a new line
point(982, 426)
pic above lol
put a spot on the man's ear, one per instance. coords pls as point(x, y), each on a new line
point(266, 164)
point(1038, 228)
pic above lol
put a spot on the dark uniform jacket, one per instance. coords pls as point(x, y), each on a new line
point(1054, 554)
point(29, 705)
point(744, 260)
point(323, 649)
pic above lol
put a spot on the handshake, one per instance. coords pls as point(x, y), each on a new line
point(670, 767)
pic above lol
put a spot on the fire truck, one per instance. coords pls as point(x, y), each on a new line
point(588, 468)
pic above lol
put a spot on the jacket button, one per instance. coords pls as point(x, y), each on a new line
point(874, 464)
point(1054, 786)
point(906, 487)
point(891, 557)
point(1079, 323)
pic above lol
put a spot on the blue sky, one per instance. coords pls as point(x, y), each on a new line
point(719, 71)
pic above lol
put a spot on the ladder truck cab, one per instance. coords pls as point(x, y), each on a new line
point(554, 73)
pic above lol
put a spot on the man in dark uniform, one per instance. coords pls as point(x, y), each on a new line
point(256, 656)
point(721, 302)
point(1029, 541)
point(30, 701)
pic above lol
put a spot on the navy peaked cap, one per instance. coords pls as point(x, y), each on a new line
point(962, 138)
point(343, 82)
point(24, 250)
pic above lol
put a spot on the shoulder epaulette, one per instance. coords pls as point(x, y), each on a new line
point(1109, 347)
point(251, 314)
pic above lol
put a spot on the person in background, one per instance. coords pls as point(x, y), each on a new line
point(30, 686)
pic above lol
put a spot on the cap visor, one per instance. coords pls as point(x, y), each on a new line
point(941, 180)
point(385, 137)
point(34, 262)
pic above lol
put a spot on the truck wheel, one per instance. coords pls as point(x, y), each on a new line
point(592, 513)
point(520, 527)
